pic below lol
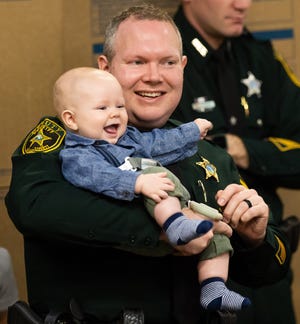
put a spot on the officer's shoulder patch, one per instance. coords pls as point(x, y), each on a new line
point(47, 136)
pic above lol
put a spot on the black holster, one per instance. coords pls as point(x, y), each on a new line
point(290, 226)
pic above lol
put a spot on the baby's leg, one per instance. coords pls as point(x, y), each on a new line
point(178, 228)
point(213, 274)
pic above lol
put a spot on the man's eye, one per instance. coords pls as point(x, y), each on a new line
point(137, 62)
point(170, 63)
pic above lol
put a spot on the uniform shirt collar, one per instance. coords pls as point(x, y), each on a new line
point(189, 34)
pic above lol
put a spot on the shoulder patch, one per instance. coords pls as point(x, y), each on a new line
point(45, 137)
point(284, 144)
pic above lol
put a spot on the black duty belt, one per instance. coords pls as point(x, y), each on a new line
point(21, 313)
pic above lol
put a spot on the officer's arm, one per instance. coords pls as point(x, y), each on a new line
point(278, 154)
point(263, 265)
point(41, 202)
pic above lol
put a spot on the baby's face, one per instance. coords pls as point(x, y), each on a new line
point(100, 110)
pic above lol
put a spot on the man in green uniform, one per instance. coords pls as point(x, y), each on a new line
point(77, 243)
point(253, 100)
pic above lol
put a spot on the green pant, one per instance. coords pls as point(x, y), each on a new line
point(219, 244)
point(180, 191)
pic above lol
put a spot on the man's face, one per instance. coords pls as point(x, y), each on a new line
point(216, 19)
point(149, 66)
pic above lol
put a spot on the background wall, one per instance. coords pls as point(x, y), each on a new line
point(40, 39)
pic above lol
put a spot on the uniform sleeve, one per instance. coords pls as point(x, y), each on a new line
point(282, 143)
point(263, 265)
point(40, 202)
point(86, 168)
point(170, 145)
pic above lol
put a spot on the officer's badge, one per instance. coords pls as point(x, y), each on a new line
point(210, 169)
point(45, 137)
point(253, 85)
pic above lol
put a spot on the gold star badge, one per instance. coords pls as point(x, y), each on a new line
point(210, 169)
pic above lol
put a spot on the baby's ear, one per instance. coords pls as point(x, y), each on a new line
point(68, 118)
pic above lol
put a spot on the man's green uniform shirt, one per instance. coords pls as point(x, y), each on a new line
point(74, 238)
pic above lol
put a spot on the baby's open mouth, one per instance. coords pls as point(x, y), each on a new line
point(111, 129)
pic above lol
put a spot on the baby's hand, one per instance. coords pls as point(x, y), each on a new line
point(204, 126)
point(154, 185)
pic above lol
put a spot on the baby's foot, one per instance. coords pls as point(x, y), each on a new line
point(216, 296)
point(180, 229)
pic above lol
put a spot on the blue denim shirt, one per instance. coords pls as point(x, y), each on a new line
point(93, 164)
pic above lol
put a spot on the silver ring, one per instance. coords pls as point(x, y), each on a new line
point(248, 202)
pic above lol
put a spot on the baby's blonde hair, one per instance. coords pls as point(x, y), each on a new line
point(65, 86)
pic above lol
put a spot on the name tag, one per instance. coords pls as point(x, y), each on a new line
point(202, 105)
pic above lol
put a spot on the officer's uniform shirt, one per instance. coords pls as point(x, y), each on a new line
point(75, 241)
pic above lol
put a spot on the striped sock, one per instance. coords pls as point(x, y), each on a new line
point(180, 229)
point(216, 296)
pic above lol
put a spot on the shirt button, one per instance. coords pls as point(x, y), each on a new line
point(126, 194)
point(132, 239)
point(91, 234)
point(259, 122)
point(147, 241)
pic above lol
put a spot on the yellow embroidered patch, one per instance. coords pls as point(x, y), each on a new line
point(281, 252)
point(284, 144)
point(45, 137)
point(287, 69)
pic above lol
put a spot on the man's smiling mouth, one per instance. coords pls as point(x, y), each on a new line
point(149, 94)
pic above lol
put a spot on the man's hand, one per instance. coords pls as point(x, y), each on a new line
point(197, 245)
point(250, 222)
point(220, 227)
point(193, 247)
point(237, 150)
